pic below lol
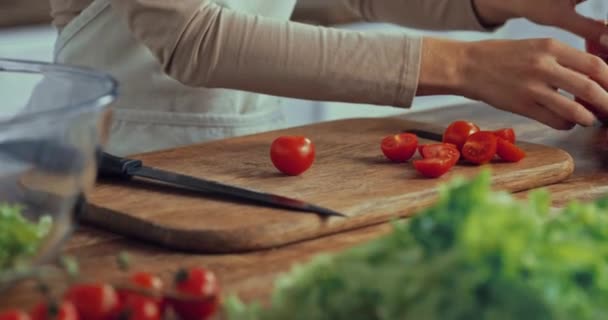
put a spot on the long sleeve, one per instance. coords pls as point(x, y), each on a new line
point(421, 14)
point(204, 44)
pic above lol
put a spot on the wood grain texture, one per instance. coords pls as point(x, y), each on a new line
point(350, 175)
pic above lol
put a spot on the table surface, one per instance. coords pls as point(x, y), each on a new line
point(251, 274)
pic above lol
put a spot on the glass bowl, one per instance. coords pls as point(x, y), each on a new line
point(53, 121)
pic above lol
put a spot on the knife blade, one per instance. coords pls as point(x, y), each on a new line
point(425, 134)
point(125, 168)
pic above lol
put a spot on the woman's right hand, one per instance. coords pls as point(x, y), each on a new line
point(520, 76)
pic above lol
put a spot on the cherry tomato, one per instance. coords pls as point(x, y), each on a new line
point(147, 281)
point(507, 134)
point(139, 307)
point(399, 147)
point(433, 167)
point(508, 151)
point(458, 132)
point(14, 315)
point(63, 311)
point(440, 150)
point(292, 155)
point(95, 301)
point(480, 147)
point(201, 287)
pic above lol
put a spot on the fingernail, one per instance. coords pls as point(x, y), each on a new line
point(604, 40)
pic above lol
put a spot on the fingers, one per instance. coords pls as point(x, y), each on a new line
point(584, 27)
point(563, 107)
point(580, 86)
point(546, 116)
point(585, 63)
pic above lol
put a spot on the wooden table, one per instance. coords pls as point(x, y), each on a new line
point(251, 275)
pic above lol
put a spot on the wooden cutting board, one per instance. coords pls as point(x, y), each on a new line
point(350, 175)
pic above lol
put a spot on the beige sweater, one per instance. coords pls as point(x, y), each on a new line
point(200, 43)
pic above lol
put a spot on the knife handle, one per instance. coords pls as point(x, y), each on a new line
point(117, 167)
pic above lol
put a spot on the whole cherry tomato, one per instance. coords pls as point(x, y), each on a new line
point(507, 134)
point(292, 155)
point(139, 307)
point(399, 147)
point(508, 151)
point(94, 301)
point(14, 315)
point(55, 311)
point(440, 150)
point(201, 294)
point(458, 132)
point(480, 147)
point(433, 167)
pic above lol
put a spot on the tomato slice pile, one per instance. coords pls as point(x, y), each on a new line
point(461, 139)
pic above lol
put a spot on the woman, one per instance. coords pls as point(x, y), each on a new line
point(195, 70)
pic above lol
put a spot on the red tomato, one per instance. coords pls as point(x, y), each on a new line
point(147, 281)
point(94, 301)
point(201, 287)
point(14, 315)
point(508, 151)
point(507, 134)
point(292, 155)
point(458, 132)
point(139, 307)
point(63, 311)
point(399, 147)
point(480, 147)
point(440, 150)
point(433, 167)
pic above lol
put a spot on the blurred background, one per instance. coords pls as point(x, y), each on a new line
point(25, 33)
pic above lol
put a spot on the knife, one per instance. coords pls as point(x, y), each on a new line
point(426, 134)
point(125, 168)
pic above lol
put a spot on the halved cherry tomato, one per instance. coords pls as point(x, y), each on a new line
point(433, 167)
point(144, 280)
point(292, 155)
point(139, 307)
point(14, 315)
point(51, 311)
point(480, 147)
point(440, 150)
point(201, 285)
point(507, 134)
point(458, 132)
point(95, 301)
point(508, 151)
point(399, 147)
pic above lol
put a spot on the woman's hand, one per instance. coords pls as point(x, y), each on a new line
point(557, 13)
point(521, 76)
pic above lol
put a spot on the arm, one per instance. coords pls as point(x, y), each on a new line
point(203, 44)
point(422, 14)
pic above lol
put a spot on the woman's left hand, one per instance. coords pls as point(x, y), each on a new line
point(556, 13)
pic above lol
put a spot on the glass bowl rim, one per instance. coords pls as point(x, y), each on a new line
point(96, 101)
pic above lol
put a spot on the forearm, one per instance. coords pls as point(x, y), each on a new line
point(422, 14)
point(207, 45)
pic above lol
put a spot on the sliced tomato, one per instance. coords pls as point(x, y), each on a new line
point(458, 132)
point(440, 150)
point(506, 133)
point(508, 151)
point(480, 147)
point(433, 167)
point(399, 147)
